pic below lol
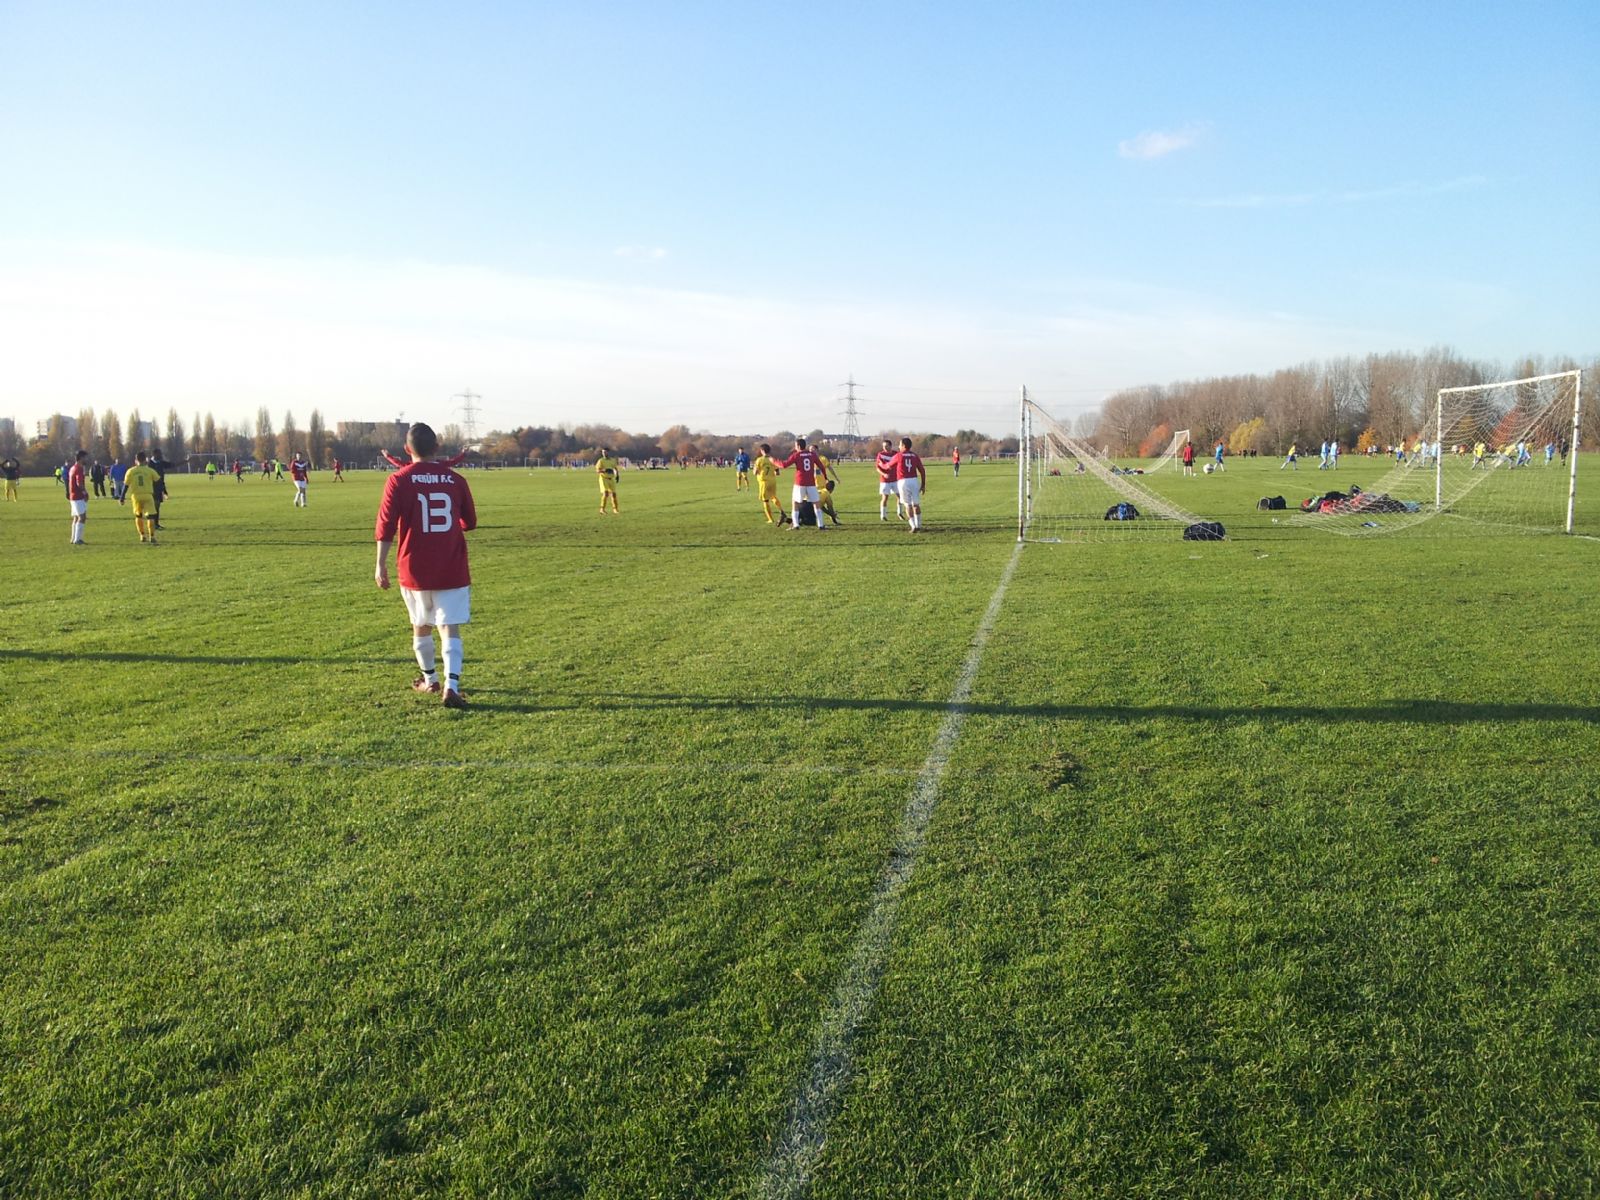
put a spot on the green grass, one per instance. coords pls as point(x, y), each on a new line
point(1261, 868)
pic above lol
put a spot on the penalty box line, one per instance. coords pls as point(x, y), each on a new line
point(799, 1147)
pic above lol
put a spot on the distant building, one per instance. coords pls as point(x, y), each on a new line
point(69, 427)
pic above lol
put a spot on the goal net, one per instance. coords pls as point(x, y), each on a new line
point(1068, 491)
point(1494, 454)
point(1170, 454)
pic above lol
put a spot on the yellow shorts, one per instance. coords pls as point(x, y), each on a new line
point(767, 491)
point(143, 506)
point(608, 485)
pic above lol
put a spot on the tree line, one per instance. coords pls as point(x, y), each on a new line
point(1377, 400)
point(109, 437)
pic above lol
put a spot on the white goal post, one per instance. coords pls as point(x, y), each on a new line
point(1501, 455)
point(1532, 423)
point(1064, 488)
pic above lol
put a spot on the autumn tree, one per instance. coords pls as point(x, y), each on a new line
point(111, 433)
point(266, 445)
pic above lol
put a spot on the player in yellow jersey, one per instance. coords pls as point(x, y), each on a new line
point(766, 472)
point(606, 468)
point(139, 485)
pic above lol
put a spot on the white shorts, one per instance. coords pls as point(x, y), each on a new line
point(80, 508)
point(300, 484)
point(888, 487)
point(452, 606)
point(911, 491)
point(806, 493)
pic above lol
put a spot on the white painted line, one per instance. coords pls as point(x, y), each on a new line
point(799, 1146)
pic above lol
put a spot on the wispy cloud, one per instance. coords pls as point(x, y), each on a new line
point(1400, 191)
point(1158, 143)
point(641, 253)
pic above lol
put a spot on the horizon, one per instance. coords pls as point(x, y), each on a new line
point(940, 204)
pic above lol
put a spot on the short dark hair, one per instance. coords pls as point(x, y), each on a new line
point(81, 454)
point(766, 449)
point(801, 442)
point(905, 443)
point(422, 439)
point(140, 457)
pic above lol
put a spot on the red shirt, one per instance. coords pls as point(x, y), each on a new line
point(906, 465)
point(75, 488)
point(1188, 454)
point(298, 470)
point(885, 464)
point(804, 463)
point(429, 507)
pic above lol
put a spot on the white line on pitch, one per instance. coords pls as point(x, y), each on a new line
point(799, 1146)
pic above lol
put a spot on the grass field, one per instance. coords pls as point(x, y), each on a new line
point(1261, 868)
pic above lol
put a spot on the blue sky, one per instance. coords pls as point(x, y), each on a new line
point(714, 213)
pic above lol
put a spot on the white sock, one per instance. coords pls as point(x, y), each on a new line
point(424, 650)
point(452, 664)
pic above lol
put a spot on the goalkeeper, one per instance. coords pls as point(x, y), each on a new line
point(606, 468)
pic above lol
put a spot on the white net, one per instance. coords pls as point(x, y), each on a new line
point(1068, 491)
point(1170, 454)
point(1496, 454)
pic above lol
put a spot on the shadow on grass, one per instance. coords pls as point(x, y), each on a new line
point(208, 660)
point(1420, 712)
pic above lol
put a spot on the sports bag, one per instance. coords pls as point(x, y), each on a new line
point(1205, 531)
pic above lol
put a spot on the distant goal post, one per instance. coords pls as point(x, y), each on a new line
point(1514, 414)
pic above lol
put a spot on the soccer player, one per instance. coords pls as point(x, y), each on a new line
point(11, 469)
point(804, 462)
point(1290, 459)
point(886, 483)
point(428, 507)
point(766, 471)
point(911, 478)
point(298, 472)
point(1478, 451)
point(78, 496)
point(211, 471)
point(1188, 458)
point(827, 501)
point(1217, 456)
point(140, 483)
point(159, 466)
point(119, 475)
point(741, 471)
point(606, 468)
point(238, 470)
point(955, 461)
point(338, 471)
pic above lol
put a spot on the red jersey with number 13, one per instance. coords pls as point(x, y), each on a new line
point(427, 509)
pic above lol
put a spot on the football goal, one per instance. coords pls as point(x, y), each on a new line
point(1068, 492)
point(1492, 454)
point(1170, 454)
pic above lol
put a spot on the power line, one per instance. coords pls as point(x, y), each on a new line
point(852, 417)
point(469, 414)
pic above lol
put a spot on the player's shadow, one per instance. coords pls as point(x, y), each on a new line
point(208, 660)
point(1420, 712)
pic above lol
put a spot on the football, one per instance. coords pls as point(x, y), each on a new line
point(1210, 467)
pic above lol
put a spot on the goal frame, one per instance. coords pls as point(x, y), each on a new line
point(1572, 457)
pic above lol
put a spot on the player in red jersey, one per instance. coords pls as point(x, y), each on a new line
point(886, 482)
point(338, 471)
point(78, 497)
point(804, 462)
point(429, 508)
point(298, 471)
point(910, 478)
point(955, 459)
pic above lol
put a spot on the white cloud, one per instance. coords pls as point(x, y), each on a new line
point(1160, 143)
